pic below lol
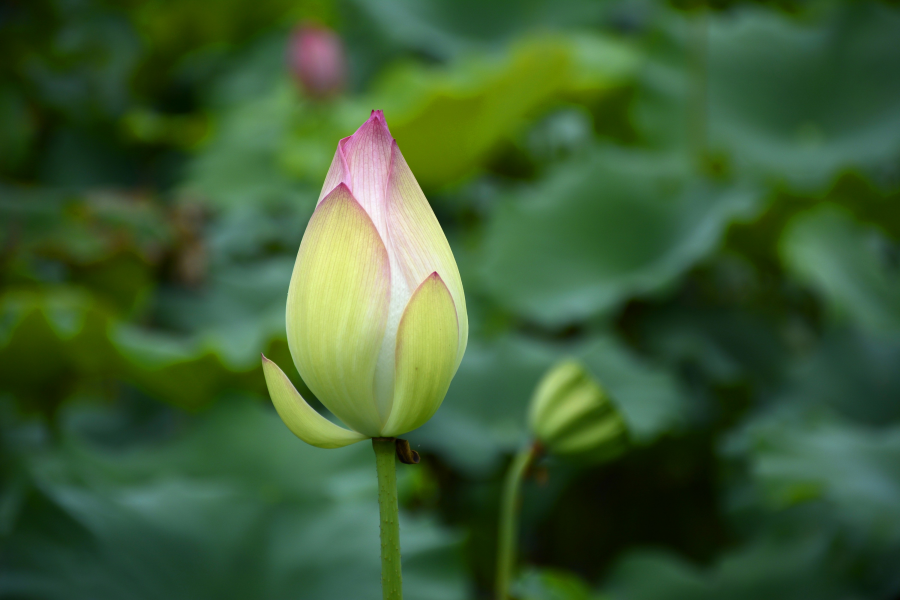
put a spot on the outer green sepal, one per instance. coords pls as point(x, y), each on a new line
point(300, 417)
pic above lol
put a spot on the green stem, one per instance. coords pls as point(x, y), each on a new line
point(509, 516)
point(385, 463)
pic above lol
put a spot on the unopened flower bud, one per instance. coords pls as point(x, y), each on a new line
point(571, 414)
point(316, 59)
point(376, 317)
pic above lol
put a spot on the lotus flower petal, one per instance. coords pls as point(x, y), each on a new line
point(417, 243)
point(301, 419)
point(362, 162)
point(427, 347)
point(337, 309)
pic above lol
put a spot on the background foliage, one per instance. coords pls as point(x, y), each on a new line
point(700, 202)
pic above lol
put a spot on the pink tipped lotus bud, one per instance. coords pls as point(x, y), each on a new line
point(316, 59)
point(376, 315)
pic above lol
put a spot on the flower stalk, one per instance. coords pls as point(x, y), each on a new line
point(570, 415)
point(509, 516)
point(386, 465)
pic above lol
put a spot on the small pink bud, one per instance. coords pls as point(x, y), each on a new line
point(317, 62)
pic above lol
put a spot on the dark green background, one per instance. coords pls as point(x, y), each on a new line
point(700, 202)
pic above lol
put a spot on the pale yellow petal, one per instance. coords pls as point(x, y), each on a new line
point(427, 345)
point(337, 309)
point(418, 244)
point(301, 419)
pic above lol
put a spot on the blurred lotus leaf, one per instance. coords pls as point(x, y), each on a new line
point(244, 513)
point(780, 569)
point(105, 242)
point(18, 135)
point(613, 224)
point(449, 122)
point(51, 344)
point(765, 103)
point(448, 28)
point(854, 469)
point(849, 263)
point(848, 365)
point(549, 584)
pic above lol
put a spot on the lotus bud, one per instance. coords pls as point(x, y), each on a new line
point(571, 414)
point(376, 317)
point(316, 59)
